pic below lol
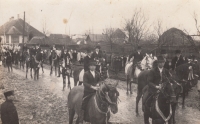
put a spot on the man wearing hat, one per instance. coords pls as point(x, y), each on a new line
point(177, 60)
point(155, 79)
point(8, 110)
point(164, 55)
point(136, 57)
point(87, 60)
point(91, 79)
point(9, 61)
point(97, 54)
point(188, 72)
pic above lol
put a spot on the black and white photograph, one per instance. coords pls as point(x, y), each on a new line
point(99, 61)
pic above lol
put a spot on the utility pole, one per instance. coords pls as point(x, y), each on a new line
point(23, 36)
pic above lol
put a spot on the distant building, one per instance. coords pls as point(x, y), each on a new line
point(98, 37)
point(118, 36)
point(12, 32)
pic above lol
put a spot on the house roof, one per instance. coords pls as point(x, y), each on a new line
point(58, 36)
point(38, 40)
point(118, 33)
point(98, 37)
point(16, 27)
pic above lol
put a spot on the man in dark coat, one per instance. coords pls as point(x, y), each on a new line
point(8, 110)
point(164, 55)
point(136, 57)
point(97, 53)
point(9, 61)
point(90, 80)
point(155, 78)
point(177, 60)
point(87, 60)
point(187, 73)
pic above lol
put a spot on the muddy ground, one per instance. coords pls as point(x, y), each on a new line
point(44, 102)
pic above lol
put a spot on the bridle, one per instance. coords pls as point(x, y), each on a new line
point(102, 97)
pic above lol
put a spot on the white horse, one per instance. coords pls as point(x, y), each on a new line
point(145, 64)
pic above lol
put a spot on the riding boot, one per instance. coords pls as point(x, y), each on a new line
point(81, 116)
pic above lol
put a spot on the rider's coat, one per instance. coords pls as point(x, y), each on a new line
point(86, 63)
point(155, 78)
point(177, 62)
point(137, 57)
point(89, 79)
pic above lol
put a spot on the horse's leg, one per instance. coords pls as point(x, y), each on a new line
point(31, 72)
point(55, 70)
point(172, 120)
point(130, 87)
point(38, 71)
point(26, 70)
point(127, 81)
point(71, 115)
point(139, 95)
point(146, 118)
point(183, 102)
point(64, 82)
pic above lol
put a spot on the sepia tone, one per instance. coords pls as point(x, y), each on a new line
point(99, 62)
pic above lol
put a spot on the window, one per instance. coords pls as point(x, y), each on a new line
point(15, 39)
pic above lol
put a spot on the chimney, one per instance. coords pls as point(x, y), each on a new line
point(18, 16)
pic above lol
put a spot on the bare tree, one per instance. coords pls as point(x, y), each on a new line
point(136, 27)
point(109, 33)
point(44, 27)
point(196, 23)
point(158, 28)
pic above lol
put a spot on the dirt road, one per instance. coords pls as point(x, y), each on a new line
point(48, 100)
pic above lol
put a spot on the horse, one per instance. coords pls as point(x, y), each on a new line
point(160, 109)
point(29, 61)
point(78, 73)
point(142, 82)
point(99, 105)
point(188, 77)
point(145, 64)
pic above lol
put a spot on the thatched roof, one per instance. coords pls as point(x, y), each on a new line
point(175, 37)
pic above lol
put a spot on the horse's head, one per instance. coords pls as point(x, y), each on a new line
point(169, 90)
point(111, 95)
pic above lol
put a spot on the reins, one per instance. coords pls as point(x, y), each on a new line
point(108, 100)
point(166, 119)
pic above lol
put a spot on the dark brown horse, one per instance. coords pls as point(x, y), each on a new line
point(142, 82)
point(99, 105)
point(183, 73)
point(160, 109)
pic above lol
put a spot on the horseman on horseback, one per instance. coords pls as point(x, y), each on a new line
point(136, 57)
point(167, 63)
point(97, 55)
point(87, 60)
point(90, 80)
point(155, 81)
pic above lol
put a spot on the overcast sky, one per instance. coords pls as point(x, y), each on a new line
point(83, 15)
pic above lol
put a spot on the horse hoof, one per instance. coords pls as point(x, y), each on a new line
point(137, 115)
point(131, 92)
point(183, 107)
point(127, 93)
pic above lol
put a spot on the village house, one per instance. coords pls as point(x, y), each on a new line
point(12, 32)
